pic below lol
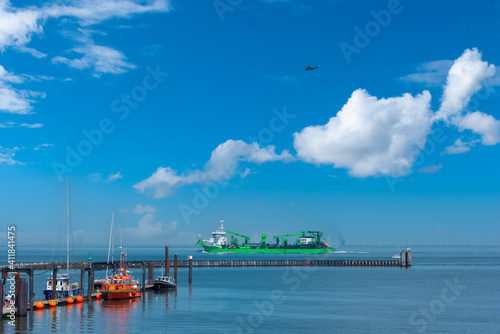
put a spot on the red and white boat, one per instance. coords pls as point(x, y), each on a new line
point(120, 286)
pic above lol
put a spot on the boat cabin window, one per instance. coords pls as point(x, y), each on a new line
point(126, 282)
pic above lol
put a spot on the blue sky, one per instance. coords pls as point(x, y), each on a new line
point(184, 113)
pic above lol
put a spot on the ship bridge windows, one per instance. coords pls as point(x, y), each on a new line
point(305, 241)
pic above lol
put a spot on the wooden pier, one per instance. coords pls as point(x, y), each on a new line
point(25, 297)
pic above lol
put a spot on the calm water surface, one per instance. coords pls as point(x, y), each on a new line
point(450, 289)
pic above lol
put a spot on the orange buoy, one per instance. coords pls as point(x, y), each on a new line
point(98, 296)
point(52, 303)
point(79, 299)
point(70, 300)
point(39, 305)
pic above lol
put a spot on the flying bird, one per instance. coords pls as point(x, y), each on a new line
point(309, 68)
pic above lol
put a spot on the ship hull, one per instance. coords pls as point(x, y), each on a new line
point(117, 295)
point(214, 249)
point(61, 293)
point(163, 286)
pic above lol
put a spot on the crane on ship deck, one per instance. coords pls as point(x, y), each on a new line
point(247, 238)
point(283, 236)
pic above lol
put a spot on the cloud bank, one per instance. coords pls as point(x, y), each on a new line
point(222, 166)
point(149, 227)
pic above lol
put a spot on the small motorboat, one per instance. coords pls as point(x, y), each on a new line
point(164, 282)
point(64, 288)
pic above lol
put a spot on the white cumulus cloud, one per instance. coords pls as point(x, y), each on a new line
point(223, 165)
point(370, 136)
point(465, 78)
point(149, 227)
point(483, 124)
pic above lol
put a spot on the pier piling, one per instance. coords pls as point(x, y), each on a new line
point(408, 258)
point(31, 299)
point(17, 277)
point(2, 294)
point(82, 281)
point(405, 258)
point(175, 268)
point(150, 272)
point(167, 263)
point(90, 290)
point(22, 297)
point(190, 258)
point(54, 282)
point(143, 276)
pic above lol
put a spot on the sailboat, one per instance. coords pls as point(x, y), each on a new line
point(63, 286)
point(99, 282)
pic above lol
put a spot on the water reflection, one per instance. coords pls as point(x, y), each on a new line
point(164, 297)
point(116, 314)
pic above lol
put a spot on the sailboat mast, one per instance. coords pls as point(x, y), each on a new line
point(67, 226)
point(110, 237)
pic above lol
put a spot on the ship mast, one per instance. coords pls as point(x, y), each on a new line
point(67, 227)
point(110, 238)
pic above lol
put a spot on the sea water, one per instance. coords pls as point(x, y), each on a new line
point(449, 289)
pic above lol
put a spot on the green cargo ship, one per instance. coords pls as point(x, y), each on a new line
point(309, 243)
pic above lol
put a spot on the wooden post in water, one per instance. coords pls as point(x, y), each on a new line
point(54, 282)
point(17, 276)
point(22, 297)
point(190, 258)
point(89, 283)
point(1, 295)
point(150, 272)
point(167, 263)
point(175, 268)
point(143, 276)
point(408, 257)
point(31, 299)
point(82, 282)
point(91, 279)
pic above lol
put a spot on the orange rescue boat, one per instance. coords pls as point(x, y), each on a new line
point(120, 286)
